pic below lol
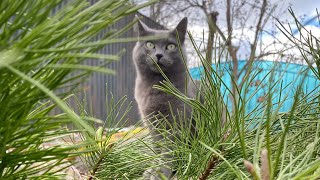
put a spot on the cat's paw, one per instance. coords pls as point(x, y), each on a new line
point(149, 174)
point(157, 174)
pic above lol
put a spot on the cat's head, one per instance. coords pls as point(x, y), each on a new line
point(164, 50)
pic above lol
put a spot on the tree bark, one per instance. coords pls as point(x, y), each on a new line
point(233, 54)
point(212, 22)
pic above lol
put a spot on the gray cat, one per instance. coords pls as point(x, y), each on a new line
point(166, 54)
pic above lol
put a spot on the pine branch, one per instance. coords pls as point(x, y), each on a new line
point(100, 161)
point(213, 162)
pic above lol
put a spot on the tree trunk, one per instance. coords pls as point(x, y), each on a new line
point(212, 22)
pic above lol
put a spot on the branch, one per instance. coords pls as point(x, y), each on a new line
point(212, 21)
point(214, 160)
point(209, 15)
point(267, 13)
point(254, 45)
point(258, 29)
point(229, 24)
point(264, 170)
point(99, 161)
point(232, 50)
point(211, 165)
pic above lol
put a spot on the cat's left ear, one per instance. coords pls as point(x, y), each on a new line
point(140, 27)
point(181, 29)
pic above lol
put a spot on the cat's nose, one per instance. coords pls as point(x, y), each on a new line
point(159, 56)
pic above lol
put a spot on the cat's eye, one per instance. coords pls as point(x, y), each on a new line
point(150, 45)
point(171, 47)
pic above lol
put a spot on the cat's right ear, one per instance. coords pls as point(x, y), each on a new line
point(140, 28)
point(181, 29)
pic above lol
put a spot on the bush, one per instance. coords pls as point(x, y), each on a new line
point(42, 43)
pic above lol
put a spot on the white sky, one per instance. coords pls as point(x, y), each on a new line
point(307, 7)
point(303, 9)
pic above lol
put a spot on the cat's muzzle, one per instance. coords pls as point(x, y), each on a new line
point(155, 63)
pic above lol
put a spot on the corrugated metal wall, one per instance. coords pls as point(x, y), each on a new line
point(122, 84)
point(94, 91)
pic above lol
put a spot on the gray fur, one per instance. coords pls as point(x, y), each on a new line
point(153, 101)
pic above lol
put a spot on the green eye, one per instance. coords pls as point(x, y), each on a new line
point(150, 45)
point(171, 47)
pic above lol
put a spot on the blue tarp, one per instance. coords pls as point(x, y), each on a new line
point(287, 78)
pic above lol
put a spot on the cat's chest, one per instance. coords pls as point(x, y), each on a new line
point(152, 100)
point(149, 95)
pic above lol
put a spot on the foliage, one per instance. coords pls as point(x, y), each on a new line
point(42, 43)
point(289, 140)
point(262, 144)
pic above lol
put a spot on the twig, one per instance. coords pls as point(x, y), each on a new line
point(96, 166)
point(264, 170)
point(213, 161)
point(211, 165)
point(255, 42)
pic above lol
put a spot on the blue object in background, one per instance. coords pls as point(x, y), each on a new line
point(286, 76)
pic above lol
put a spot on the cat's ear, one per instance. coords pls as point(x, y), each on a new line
point(140, 27)
point(181, 29)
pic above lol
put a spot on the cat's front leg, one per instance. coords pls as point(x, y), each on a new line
point(165, 169)
point(158, 173)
